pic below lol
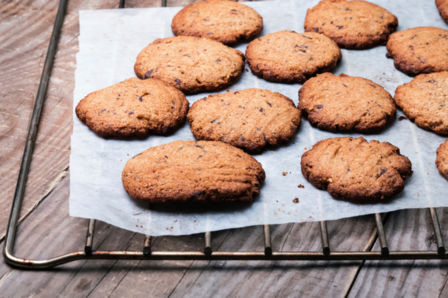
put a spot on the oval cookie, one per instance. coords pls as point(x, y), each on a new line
point(191, 64)
point(425, 101)
point(221, 20)
point(291, 57)
point(184, 171)
point(442, 159)
point(356, 170)
point(250, 119)
point(442, 6)
point(351, 24)
point(133, 108)
point(345, 103)
point(419, 50)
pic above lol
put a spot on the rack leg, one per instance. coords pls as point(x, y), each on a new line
point(147, 246)
point(208, 243)
point(324, 238)
point(437, 232)
point(89, 237)
point(267, 241)
point(381, 234)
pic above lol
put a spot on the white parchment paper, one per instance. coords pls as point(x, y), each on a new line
point(109, 42)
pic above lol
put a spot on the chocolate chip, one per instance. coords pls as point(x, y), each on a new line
point(103, 110)
point(269, 104)
point(140, 98)
point(319, 107)
point(243, 139)
point(177, 81)
point(198, 193)
point(261, 110)
point(339, 27)
point(218, 60)
point(199, 146)
point(431, 81)
point(307, 37)
point(213, 121)
point(381, 173)
point(131, 113)
point(149, 73)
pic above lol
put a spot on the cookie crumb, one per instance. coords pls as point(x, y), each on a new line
point(284, 173)
point(300, 186)
point(296, 200)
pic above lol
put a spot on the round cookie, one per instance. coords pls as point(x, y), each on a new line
point(442, 6)
point(419, 50)
point(351, 24)
point(354, 169)
point(291, 57)
point(424, 100)
point(185, 171)
point(250, 119)
point(442, 159)
point(133, 108)
point(191, 64)
point(345, 103)
point(221, 20)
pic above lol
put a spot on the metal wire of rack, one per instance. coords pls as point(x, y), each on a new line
point(146, 253)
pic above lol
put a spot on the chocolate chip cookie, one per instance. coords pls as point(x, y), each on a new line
point(185, 171)
point(191, 64)
point(345, 103)
point(419, 50)
point(351, 24)
point(133, 108)
point(221, 20)
point(291, 57)
point(250, 119)
point(354, 169)
point(442, 6)
point(442, 159)
point(425, 101)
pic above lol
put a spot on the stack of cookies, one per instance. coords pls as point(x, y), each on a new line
point(232, 125)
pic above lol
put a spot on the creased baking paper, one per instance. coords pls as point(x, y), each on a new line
point(109, 42)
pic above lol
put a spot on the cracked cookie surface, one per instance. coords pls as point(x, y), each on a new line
point(351, 24)
point(185, 171)
point(291, 57)
point(133, 108)
point(442, 159)
point(424, 100)
point(250, 119)
point(221, 20)
point(191, 64)
point(345, 103)
point(419, 50)
point(354, 169)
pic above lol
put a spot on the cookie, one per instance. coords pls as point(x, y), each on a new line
point(133, 108)
point(442, 159)
point(290, 57)
point(354, 169)
point(191, 64)
point(442, 6)
point(221, 20)
point(419, 50)
point(185, 171)
point(250, 119)
point(424, 100)
point(345, 103)
point(351, 24)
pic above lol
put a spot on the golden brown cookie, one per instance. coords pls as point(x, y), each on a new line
point(345, 103)
point(442, 6)
point(356, 170)
point(250, 119)
point(425, 101)
point(191, 64)
point(351, 24)
point(222, 20)
point(291, 57)
point(133, 108)
point(185, 171)
point(419, 50)
point(442, 159)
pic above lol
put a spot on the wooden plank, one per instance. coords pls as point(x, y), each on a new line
point(24, 34)
point(406, 230)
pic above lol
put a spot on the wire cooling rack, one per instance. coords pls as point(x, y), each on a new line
point(146, 253)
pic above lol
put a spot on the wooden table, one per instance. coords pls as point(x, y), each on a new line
point(47, 230)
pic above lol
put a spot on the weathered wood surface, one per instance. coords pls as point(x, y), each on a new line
point(46, 230)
